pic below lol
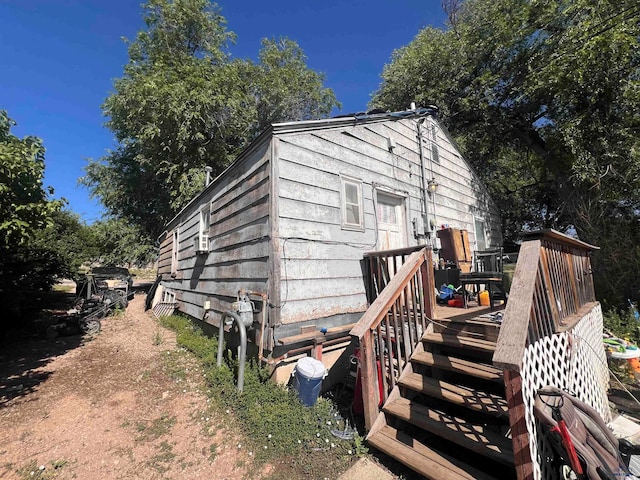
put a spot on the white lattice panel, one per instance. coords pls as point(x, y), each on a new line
point(574, 361)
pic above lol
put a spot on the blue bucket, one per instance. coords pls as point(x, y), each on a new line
point(307, 380)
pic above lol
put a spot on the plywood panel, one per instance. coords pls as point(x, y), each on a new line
point(314, 231)
point(312, 308)
point(320, 288)
point(327, 268)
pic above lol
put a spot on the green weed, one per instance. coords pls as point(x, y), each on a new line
point(158, 339)
point(272, 418)
point(213, 452)
point(47, 471)
point(156, 428)
point(161, 460)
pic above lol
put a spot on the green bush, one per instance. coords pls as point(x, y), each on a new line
point(623, 324)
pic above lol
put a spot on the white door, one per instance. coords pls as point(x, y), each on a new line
point(392, 225)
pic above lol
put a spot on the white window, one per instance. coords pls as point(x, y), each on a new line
point(169, 296)
point(174, 252)
point(352, 210)
point(203, 231)
point(435, 155)
point(481, 235)
point(387, 213)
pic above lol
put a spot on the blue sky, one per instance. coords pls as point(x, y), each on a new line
point(59, 59)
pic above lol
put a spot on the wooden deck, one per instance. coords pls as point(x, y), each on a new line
point(473, 310)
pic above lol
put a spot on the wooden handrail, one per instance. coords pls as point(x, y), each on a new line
point(392, 327)
point(381, 265)
point(551, 285)
point(551, 291)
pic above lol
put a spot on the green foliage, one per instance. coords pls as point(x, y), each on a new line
point(544, 99)
point(119, 242)
point(32, 470)
point(276, 423)
point(184, 104)
point(67, 242)
point(24, 204)
point(623, 324)
point(39, 242)
point(284, 88)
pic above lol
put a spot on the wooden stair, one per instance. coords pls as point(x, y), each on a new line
point(448, 418)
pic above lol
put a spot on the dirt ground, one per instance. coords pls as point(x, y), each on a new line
point(126, 404)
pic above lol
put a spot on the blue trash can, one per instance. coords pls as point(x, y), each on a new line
point(307, 380)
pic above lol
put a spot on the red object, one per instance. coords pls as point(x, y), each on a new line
point(456, 302)
point(561, 428)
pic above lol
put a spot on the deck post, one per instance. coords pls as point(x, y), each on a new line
point(369, 379)
point(519, 433)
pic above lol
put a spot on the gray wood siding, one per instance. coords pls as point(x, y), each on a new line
point(164, 256)
point(321, 272)
point(239, 235)
point(276, 217)
point(460, 194)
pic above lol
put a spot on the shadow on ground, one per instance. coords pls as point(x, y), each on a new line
point(624, 402)
point(25, 349)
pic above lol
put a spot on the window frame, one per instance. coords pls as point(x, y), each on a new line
point(480, 231)
point(175, 249)
point(435, 150)
point(204, 224)
point(345, 225)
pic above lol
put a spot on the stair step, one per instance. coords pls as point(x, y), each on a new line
point(475, 344)
point(477, 400)
point(458, 365)
point(468, 327)
point(457, 430)
point(429, 463)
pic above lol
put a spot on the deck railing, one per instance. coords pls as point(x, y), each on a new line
point(392, 326)
point(551, 335)
point(381, 266)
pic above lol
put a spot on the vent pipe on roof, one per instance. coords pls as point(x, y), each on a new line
point(412, 106)
point(207, 181)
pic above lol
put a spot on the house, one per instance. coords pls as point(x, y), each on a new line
point(291, 218)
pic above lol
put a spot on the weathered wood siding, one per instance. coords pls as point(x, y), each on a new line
point(320, 272)
point(461, 197)
point(164, 255)
point(276, 218)
point(239, 253)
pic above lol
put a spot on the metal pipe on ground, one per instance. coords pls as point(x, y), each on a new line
point(243, 345)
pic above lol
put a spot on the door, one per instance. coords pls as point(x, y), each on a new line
point(391, 219)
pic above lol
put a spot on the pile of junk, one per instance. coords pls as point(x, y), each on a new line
point(98, 294)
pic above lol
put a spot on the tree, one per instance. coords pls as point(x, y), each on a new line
point(184, 104)
point(25, 212)
point(24, 204)
point(544, 98)
point(121, 243)
point(284, 88)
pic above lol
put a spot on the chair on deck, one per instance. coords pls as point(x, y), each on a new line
point(488, 271)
